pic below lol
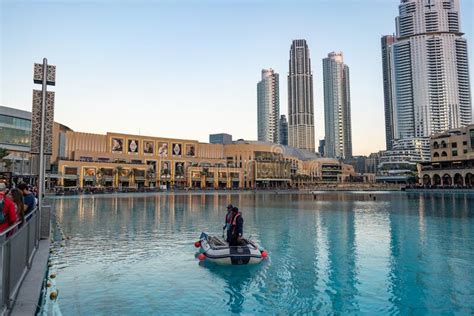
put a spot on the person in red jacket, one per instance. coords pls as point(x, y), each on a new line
point(7, 210)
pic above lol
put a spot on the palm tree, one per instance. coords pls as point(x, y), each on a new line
point(117, 174)
point(131, 175)
point(3, 153)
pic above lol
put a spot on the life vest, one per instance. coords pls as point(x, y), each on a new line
point(234, 220)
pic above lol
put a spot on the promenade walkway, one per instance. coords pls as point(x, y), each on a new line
point(23, 263)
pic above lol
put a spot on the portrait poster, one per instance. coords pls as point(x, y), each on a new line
point(176, 149)
point(151, 166)
point(190, 150)
point(165, 171)
point(89, 172)
point(117, 145)
point(162, 149)
point(179, 170)
point(132, 146)
point(148, 147)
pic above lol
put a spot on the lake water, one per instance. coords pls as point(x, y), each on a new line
point(341, 253)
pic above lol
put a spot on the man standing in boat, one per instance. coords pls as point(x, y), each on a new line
point(228, 222)
point(237, 228)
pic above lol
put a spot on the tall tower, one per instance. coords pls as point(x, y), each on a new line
point(337, 107)
point(268, 105)
point(300, 98)
point(283, 131)
point(430, 75)
point(386, 42)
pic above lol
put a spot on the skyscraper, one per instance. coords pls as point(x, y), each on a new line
point(337, 107)
point(283, 131)
point(268, 105)
point(300, 98)
point(429, 71)
point(386, 42)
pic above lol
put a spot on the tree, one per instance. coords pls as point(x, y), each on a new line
point(3, 153)
point(117, 174)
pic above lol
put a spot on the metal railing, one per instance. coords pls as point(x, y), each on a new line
point(18, 246)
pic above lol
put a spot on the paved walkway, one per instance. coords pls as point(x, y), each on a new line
point(28, 296)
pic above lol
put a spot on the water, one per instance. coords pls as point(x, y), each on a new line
point(341, 253)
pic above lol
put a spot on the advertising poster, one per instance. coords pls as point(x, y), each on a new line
point(177, 150)
point(132, 146)
point(165, 171)
point(148, 147)
point(179, 170)
point(190, 150)
point(117, 145)
point(151, 166)
point(162, 149)
point(89, 172)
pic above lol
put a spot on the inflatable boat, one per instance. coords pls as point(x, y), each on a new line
point(217, 250)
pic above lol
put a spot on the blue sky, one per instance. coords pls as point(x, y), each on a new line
point(189, 68)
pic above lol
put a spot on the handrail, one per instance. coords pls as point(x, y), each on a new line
point(18, 223)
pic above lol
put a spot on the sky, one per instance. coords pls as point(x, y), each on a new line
point(186, 69)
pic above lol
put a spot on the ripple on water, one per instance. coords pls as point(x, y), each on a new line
point(340, 254)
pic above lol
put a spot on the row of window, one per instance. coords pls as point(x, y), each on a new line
point(16, 122)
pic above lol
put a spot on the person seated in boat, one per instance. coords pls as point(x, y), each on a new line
point(228, 222)
point(237, 228)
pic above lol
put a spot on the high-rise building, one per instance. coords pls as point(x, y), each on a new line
point(221, 138)
point(268, 105)
point(429, 71)
point(322, 145)
point(283, 138)
point(300, 98)
point(386, 42)
point(337, 107)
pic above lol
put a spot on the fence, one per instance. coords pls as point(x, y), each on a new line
point(18, 246)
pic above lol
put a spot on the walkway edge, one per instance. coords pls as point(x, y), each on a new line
point(30, 291)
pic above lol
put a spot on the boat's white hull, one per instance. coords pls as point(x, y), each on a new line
point(224, 254)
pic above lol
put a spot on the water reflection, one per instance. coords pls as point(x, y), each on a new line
point(340, 253)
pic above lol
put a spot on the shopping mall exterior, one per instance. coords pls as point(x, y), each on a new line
point(122, 160)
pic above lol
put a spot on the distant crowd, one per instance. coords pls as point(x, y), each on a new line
point(16, 205)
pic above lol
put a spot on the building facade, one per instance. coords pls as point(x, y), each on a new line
point(429, 71)
point(268, 106)
point(387, 41)
point(221, 138)
point(283, 138)
point(452, 159)
point(337, 107)
point(300, 98)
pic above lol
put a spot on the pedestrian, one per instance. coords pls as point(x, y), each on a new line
point(7, 209)
point(20, 207)
point(28, 198)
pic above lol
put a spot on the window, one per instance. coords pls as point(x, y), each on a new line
point(454, 145)
point(435, 145)
point(443, 144)
point(465, 151)
point(464, 143)
point(471, 134)
point(455, 153)
point(436, 155)
point(444, 154)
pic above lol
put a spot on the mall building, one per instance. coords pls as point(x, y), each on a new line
point(123, 160)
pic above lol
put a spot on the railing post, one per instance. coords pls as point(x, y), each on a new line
point(6, 274)
point(28, 232)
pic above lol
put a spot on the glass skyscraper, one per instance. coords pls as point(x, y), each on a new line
point(427, 70)
point(268, 105)
point(300, 98)
point(337, 107)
